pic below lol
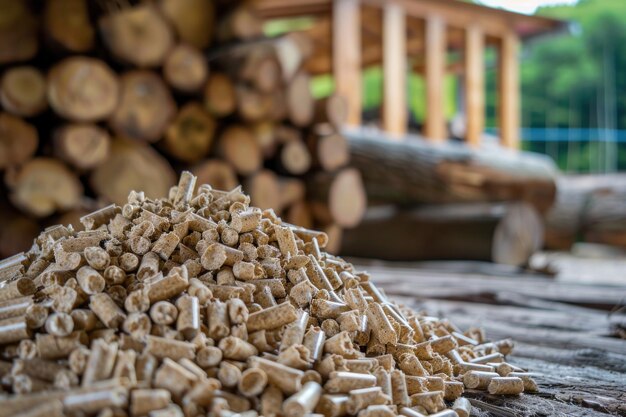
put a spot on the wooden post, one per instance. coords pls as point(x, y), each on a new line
point(508, 71)
point(346, 34)
point(474, 84)
point(435, 128)
point(395, 112)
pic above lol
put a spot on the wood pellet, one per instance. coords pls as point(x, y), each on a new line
point(200, 304)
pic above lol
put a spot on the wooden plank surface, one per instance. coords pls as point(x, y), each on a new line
point(565, 331)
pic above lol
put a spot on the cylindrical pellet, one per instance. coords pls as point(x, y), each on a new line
point(344, 382)
point(163, 312)
point(162, 348)
point(14, 329)
point(506, 385)
point(286, 378)
point(252, 382)
point(478, 379)
point(174, 283)
point(237, 349)
point(15, 307)
point(19, 288)
point(218, 321)
point(142, 401)
point(107, 310)
point(399, 393)
point(188, 321)
point(59, 324)
point(529, 383)
point(463, 407)
point(380, 324)
point(101, 362)
point(273, 317)
point(304, 401)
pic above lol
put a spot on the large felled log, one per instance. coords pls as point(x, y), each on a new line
point(185, 68)
point(238, 147)
point(132, 166)
point(220, 98)
point(192, 19)
point(43, 186)
point(139, 35)
point(502, 233)
point(18, 141)
point(342, 194)
point(146, 106)
point(414, 171)
point(588, 208)
point(23, 91)
point(83, 145)
point(82, 89)
point(219, 174)
point(190, 135)
point(67, 25)
point(18, 32)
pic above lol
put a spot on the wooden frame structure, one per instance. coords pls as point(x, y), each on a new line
point(351, 34)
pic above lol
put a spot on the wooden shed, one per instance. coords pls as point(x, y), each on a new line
point(417, 35)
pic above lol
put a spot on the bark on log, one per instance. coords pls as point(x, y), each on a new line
point(217, 173)
point(190, 136)
point(185, 68)
point(588, 208)
point(82, 89)
point(18, 32)
point(193, 20)
point(220, 98)
point(67, 25)
point(238, 147)
point(85, 146)
point(145, 108)
point(502, 233)
point(342, 193)
point(132, 166)
point(43, 186)
point(413, 172)
point(139, 35)
point(18, 141)
point(23, 91)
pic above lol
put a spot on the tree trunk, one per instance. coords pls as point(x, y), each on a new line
point(44, 185)
point(238, 147)
point(414, 172)
point(186, 69)
point(502, 233)
point(264, 190)
point(18, 32)
point(23, 91)
point(132, 166)
point(18, 141)
point(139, 35)
point(85, 146)
point(332, 110)
point(146, 107)
point(82, 89)
point(217, 173)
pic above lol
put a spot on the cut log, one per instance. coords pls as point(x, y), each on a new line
point(85, 146)
point(299, 214)
point(18, 141)
point(242, 23)
point(23, 91)
point(343, 193)
point(67, 25)
point(300, 102)
point(17, 231)
point(190, 136)
point(588, 208)
point(332, 110)
point(82, 89)
point(220, 98)
point(132, 166)
point(193, 20)
point(292, 191)
point(217, 173)
point(145, 109)
point(265, 135)
point(264, 189)
point(413, 171)
point(185, 69)
point(278, 105)
point(335, 238)
point(502, 233)
point(253, 106)
point(43, 186)
point(18, 32)
point(291, 51)
point(294, 158)
point(331, 151)
point(139, 35)
point(238, 147)
point(260, 69)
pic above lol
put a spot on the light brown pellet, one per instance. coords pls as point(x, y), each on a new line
point(344, 382)
point(529, 383)
point(142, 401)
point(15, 307)
point(18, 288)
point(273, 317)
point(162, 348)
point(137, 325)
point(209, 356)
point(101, 361)
point(252, 382)
point(283, 377)
point(188, 321)
point(237, 349)
point(174, 283)
point(218, 321)
point(174, 378)
point(380, 324)
point(505, 385)
point(149, 266)
point(107, 310)
point(399, 393)
point(304, 401)
point(59, 324)
point(163, 312)
point(463, 407)
point(54, 347)
point(14, 329)
point(229, 374)
point(359, 399)
point(97, 258)
point(478, 379)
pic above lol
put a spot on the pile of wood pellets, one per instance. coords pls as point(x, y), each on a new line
point(201, 305)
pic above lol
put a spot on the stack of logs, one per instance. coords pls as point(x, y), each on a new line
point(99, 99)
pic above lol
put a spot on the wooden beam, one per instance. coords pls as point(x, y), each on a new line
point(474, 84)
point(509, 94)
point(346, 40)
point(395, 114)
point(435, 128)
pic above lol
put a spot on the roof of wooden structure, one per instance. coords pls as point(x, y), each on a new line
point(457, 13)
